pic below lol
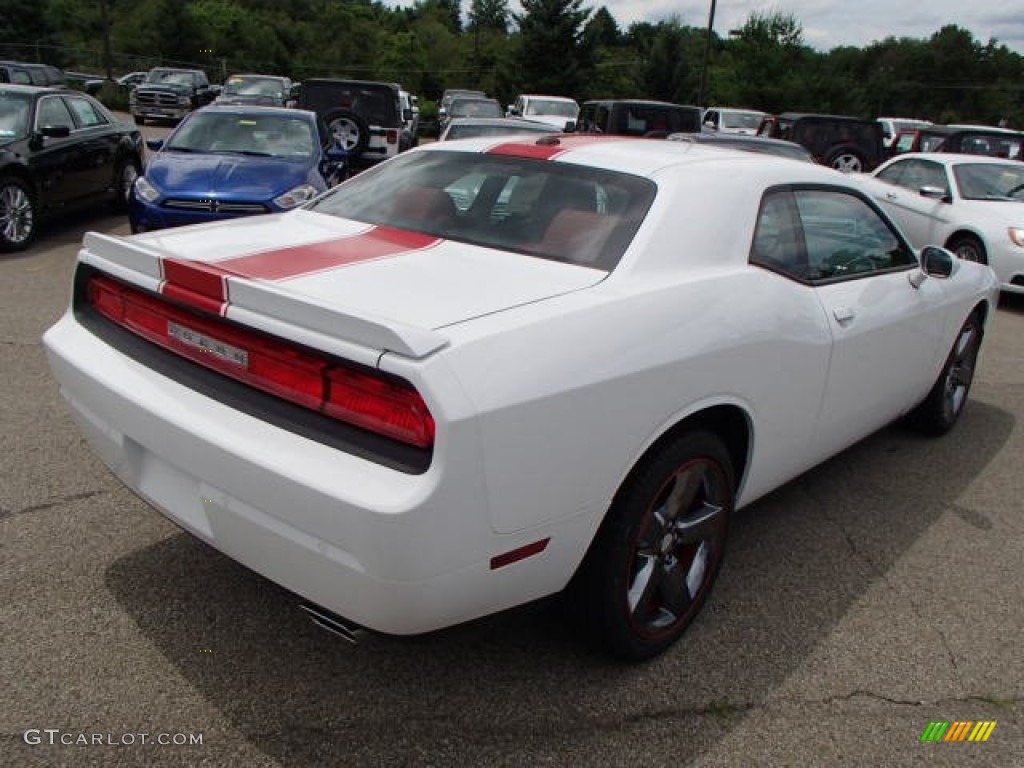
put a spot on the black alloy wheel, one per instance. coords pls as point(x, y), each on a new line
point(659, 551)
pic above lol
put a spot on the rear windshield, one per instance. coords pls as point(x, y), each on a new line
point(539, 208)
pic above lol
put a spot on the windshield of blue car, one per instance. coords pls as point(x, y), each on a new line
point(14, 110)
point(254, 86)
point(990, 181)
point(231, 133)
point(516, 205)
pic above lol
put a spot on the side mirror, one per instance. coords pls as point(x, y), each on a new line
point(935, 193)
point(512, 111)
point(570, 126)
point(709, 124)
point(442, 112)
point(155, 144)
point(935, 262)
point(407, 115)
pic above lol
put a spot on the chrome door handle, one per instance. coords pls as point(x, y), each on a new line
point(843, 315)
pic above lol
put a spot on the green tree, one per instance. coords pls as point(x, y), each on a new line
point(489, 14)
point(552, 56)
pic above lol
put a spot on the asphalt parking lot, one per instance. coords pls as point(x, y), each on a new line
point(874, 595)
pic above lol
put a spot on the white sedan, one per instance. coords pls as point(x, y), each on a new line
point(481, 373)
point(974, 205)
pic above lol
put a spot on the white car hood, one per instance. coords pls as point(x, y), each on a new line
point(378, 286)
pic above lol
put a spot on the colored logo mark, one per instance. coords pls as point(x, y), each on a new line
point(959, 730)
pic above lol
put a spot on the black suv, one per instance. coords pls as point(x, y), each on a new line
point(364, 117)
point(169, 93)
point(25, 73)
point(633, 117)
point(848, 144)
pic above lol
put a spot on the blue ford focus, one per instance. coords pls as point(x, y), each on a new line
point(224, 162)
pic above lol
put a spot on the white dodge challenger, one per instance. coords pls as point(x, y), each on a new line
point(487, 371)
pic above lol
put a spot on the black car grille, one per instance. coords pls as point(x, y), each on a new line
point(216, 206)
point(155, 98)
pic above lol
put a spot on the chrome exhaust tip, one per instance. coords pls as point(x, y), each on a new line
point(333, 623)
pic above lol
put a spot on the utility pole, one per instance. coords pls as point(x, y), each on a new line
point(707, 58)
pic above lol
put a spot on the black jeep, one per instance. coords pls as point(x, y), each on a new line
point(636, 117)
point(848, 144)
point(365, 118)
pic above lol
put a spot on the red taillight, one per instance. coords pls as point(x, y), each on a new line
point(392, 136)
point(392, 408)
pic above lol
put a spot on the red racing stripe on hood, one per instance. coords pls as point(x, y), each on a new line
point(204, 284)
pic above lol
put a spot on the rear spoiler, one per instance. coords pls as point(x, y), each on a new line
point(204, 286)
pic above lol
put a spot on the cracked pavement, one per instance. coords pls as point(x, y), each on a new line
point(872, 595)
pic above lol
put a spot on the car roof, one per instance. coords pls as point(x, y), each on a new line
point(980, 130)
point(652, 102)
point(953, 158)
point(256, 74)
point(32, 88)
point(744, 110)
point(509, 121)
point(546, 96)
point(819, 116)
point(739, 140)
point(258, 109)
point(633, 155)
point(360, 83)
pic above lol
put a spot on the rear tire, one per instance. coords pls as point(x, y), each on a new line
point(349, 131)
point(941, 409)
point(658, 553)
point(846, 160)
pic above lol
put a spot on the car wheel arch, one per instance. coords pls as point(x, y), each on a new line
point(729, 421)
point(22, 174)
point(964, 233)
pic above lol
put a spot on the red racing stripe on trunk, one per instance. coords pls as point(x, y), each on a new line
point(197, 283)
point(204, 284)
point(298, 260)
point(549, 147)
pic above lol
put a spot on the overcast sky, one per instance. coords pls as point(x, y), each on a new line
point(830, 23)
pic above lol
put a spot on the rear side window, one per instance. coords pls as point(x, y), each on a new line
point(823, 235)
point(52, 113)
point(87, 114)
point(537, 208)
point(845, 236)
